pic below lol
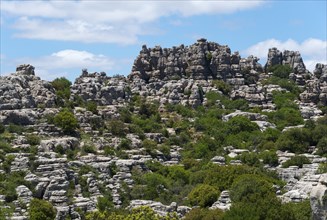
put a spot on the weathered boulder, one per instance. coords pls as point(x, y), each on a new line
point(100, 88)
point(291, 58)
point(318, 199)
point(24, 90)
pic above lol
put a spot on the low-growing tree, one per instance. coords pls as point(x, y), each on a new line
point(66, 120)
point(41, 210)
point(203, 195)
point(298, 160)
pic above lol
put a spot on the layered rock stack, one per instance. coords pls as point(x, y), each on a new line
point(25, 90)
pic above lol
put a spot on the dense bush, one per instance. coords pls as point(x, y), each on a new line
point(62, 87)
point(66, 120)
point(296, 161)
point(2, 128)
point(250, 159)
point(249, 188)
point(13, 128)
point(203, 195)
point(296, 140)
point(239, 123)
point(89, 149)
point(322, 146)
point(281, 71)
point(140, 213)
point(33, 139)
point(92, 107)
point(254, 198)
point(222, 86)
point(9, 182)
point(204, 214)
point(117, 128)
point(41, 210)
point(269, 157)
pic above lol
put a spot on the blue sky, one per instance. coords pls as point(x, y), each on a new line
point(61, 37)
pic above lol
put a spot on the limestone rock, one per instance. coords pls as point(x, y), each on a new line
point(24, 90)
point(318, 199)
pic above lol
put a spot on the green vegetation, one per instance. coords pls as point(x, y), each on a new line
point(66, 120)
point(203, 195)
point(281, 71)
point(62, 87)
point(204, 214)
point(296, 161)
point(41, 210)
point(8, 183)
point(92, 107)
point(141, 213)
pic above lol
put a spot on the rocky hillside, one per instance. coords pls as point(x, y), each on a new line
point(194, 131)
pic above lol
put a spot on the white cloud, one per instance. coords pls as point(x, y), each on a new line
point(312, 50)
point(105, 21)
point(57, 64)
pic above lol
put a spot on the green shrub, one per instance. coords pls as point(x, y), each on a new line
point(41, 210)
point(301, 210)
point(92, 107)
point(148, 109)
point(89, 149)
point(285, 117)
point(125, 115)
point(251, 159)
point(296, 161)
point(62, 87)
point(250, 188)
point(13, 128)
point(7, 163)
point(222, 86)
point(322, 146)
point(238, 124)
point(204, 214)
point(9, 182)
point(296, 140)
point(117, 127)
point(281, 71)
point(322, 168)
point(284, 100)
point(33, 139)
point(203, 195)
point(150, 147)
point(269, 158)
point(59, 149)
point(66, 120)
point(125, 144)
point(104, 203)
point(2, 128)
point(6, 148)
point(155, 186)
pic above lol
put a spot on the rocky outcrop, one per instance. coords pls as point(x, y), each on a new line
point(223, 203)
point(25, 90)
point(291, 58)
point(318, 199)
point(100, 88)
point(159, 208)
point(316, 89)
point(201, 61)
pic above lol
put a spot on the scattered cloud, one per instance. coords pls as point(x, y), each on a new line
point(60, 63)
point(105, 21)
point(312, 50)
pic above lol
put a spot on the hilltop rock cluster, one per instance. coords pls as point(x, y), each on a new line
point(179, 75)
